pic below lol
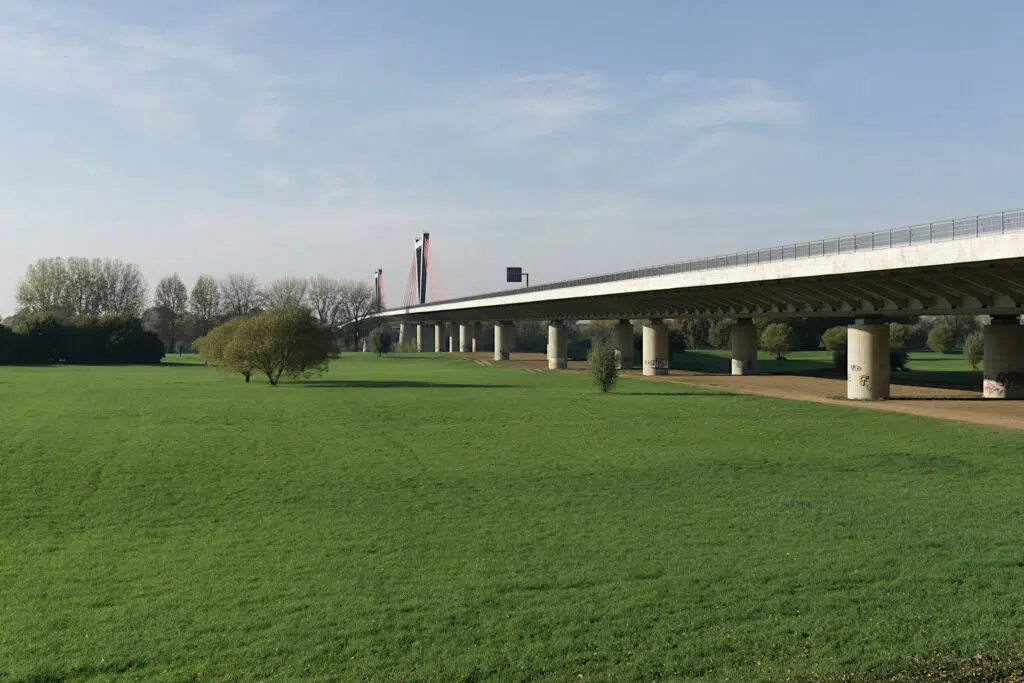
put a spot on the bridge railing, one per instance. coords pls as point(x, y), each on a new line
point(940, 231)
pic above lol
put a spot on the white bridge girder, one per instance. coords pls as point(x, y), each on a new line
point(978, 276)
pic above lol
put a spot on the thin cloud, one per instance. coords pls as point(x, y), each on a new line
point(148, 78)
point(527, 106)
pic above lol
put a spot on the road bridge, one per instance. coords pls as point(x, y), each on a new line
point(970, 266)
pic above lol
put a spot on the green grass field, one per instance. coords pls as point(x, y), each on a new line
point(426, 518)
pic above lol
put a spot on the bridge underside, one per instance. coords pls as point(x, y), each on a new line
point(990, 288)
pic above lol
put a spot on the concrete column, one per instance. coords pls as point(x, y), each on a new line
point(655, 348)
point(467, 337)
point(453, 338)
point(439, 338)
point(743, 339)
point(365, 343)
point(402, 334)
point(477, 338)
point(504, 336)
point(1004, 358)
point(558, 346)
point(624, 344)
point(424, 337)
point(867, 350)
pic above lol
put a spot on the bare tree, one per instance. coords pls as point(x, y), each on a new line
point(325, 298)
point(240, 294)
point(357, 303)
point(286, 292)
point(171, 299)
point(204, 303)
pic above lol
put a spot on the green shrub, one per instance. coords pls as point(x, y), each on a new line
point(602, 366)
point(974, 349)
point(778, 339)
point(720, 333)
point(942, 339)
point(380, 340)
point(834, 339)
point(898, 359)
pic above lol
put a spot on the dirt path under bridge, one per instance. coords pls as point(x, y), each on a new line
point(944, 404)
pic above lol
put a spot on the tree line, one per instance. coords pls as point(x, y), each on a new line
point(83, 340)
point(177, 314)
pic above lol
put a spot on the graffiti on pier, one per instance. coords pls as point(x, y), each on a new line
point(1005, 385)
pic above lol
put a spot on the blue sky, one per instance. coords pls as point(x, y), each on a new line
point(311, 136)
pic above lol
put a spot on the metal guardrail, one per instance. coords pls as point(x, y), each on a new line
point(941, 231)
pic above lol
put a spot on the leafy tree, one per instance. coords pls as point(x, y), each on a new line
point(905, 337)
point(974, 349)
point(777, 338)
point(81, 286)
point(695, 330)
point(122, 288)
point(42, 288)
point(942, 339)
point(279, 342)
point(204, 303)
point(213, 347)
point(286, 292)
point(835, 338)
point(171, 299)
point(719, 334)
point(603, 367)
point(380, 340)
point(240, 294)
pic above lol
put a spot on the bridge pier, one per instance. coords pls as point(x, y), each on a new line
point(624, 344)
point(467, 337)
point(558, 346)
point(439, 338)
point(868, 374)
point(743, 340)
point(403, 334)
point(655, 348)
point(424, 337)
point(453, 337)
point(1004, 358)
point(504, 337)
point(478, 336)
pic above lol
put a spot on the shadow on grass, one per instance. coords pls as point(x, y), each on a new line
point(677, 393)
point(369, 384)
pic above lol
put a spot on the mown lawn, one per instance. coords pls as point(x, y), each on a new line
point(425, 518)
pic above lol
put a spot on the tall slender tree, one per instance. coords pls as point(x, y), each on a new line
point(171, 299)
point(204, 303)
